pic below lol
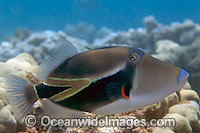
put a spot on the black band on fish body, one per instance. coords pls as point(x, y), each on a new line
point(96, 94)
point(47, 91)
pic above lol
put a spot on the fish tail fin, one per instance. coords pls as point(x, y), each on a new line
point(21, 95)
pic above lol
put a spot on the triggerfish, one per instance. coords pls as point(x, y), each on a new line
point(104, 81)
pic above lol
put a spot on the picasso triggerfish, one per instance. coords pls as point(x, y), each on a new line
point(105, 80)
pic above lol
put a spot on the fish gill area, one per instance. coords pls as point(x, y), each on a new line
point(178, 44)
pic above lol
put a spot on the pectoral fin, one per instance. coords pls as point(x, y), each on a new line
point(115, 90)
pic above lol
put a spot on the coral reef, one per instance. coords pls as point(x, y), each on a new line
point(39, 44)
point(183, 106)
point(178, 43)
point(182, 33)
point(87, 32)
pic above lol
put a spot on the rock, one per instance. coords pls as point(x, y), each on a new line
point(165, 50)
point(173, 99)
point(1, 105)
point(8, 107)
point(2, 85)
point(7, 122)
point(157, 110)
point(193, 103)
point(166, 46)
point(36, 39)
point(2, 93)
point(3, 129)
point(189, 95)
point(188, 111)
point(6, 51)
point(187, 37)
point(21, 127)
point(187, 86)
point(150, 23)
point(21, 34)
point(38, 44)
point(164, 130)
point(182, 124)
point(107, 129)
point(85, 31)
point(24, 57)
point(23, 62)
point(18, 66)
point(5, 44)
point(196, 41)
point(5, 69)
point(179, 109)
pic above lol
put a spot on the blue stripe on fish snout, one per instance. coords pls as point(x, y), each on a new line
point(183, 75)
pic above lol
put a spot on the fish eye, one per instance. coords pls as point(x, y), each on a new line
point(133, 57)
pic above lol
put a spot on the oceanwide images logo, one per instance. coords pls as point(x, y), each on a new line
point(105, 121)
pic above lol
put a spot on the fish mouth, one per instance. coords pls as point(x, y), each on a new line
point(157, 79)
point(183, 76)
point(156, 75)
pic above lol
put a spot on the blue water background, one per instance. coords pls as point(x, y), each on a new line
point(115, 14)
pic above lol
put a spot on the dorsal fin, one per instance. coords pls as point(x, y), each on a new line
point(105, 47)
point(64, 50)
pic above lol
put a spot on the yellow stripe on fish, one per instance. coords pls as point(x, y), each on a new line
point(66, 82)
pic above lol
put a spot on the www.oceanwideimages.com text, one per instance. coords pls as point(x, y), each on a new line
point(105, 121)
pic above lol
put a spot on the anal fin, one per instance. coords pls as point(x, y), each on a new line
point(55, 110)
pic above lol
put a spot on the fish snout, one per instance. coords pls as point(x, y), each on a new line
point(183, 76)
